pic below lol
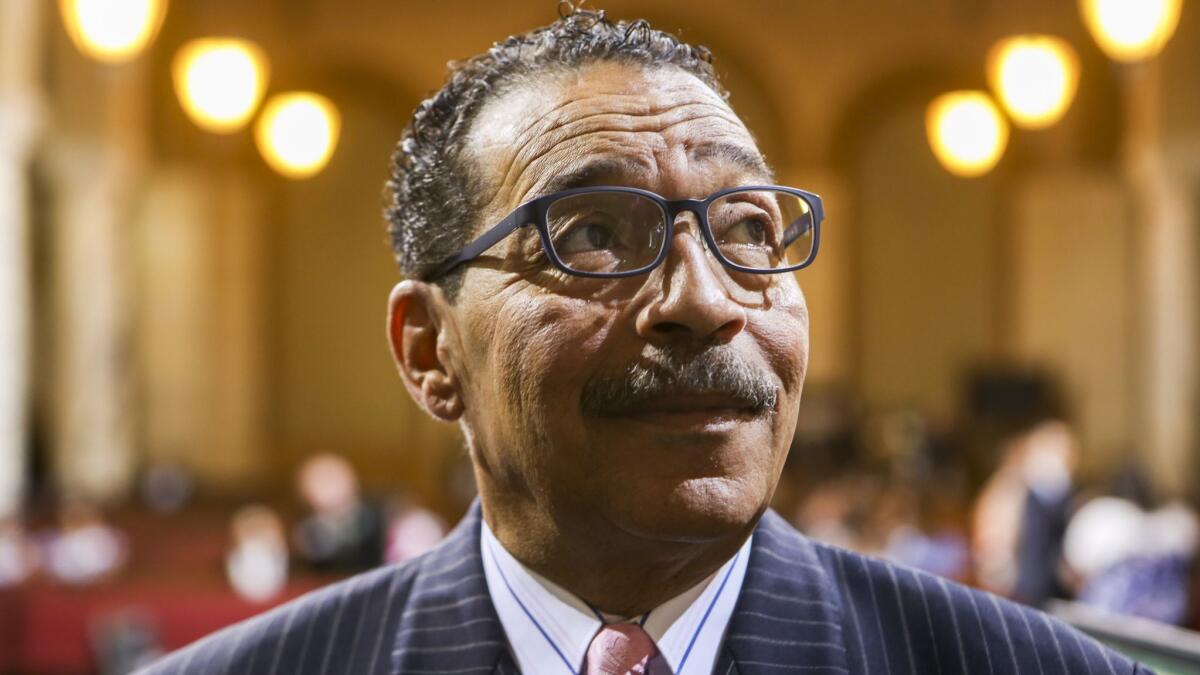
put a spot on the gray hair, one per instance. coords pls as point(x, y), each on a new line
point(431, 191)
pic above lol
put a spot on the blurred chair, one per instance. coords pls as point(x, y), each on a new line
point(124, 642)
point(1167, 649)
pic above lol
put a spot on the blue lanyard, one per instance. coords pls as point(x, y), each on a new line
point(642, 622)
point(692, 643)
point(504, 578)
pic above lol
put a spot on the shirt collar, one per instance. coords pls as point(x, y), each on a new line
point(549, 628)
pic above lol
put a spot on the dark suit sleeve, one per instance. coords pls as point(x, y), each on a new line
point(905, 620)
point(342, 628)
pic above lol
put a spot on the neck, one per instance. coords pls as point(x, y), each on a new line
point(612, 570)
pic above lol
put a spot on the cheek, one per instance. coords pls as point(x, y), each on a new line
point(784, 335)
point(542, 348)
point(782, 331)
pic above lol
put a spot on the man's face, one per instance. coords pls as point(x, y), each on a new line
point(533, 346)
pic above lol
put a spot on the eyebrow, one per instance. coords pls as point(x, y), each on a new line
point(592, 171)
point(742, 156)
point(589, 172)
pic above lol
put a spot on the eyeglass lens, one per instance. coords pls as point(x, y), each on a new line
point(603, 232)
point(762, 229)
point(606, 232)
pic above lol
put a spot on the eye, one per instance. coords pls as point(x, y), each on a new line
point(588, 236)
point(751, 231)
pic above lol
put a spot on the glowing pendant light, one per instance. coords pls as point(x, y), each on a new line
point(112, 31)
point(967, 132)
point(297, 133)
point(220, 81)
point(1131, 30)
point(1035, 78)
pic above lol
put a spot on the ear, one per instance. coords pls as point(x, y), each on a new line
point(415, 322)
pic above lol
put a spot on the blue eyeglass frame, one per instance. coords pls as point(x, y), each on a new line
point(533, 212)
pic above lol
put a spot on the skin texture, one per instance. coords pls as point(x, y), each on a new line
point(626, 510)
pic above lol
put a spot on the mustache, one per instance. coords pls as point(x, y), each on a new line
point(669, 372)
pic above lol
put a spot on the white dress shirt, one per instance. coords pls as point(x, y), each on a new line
point(549, 628)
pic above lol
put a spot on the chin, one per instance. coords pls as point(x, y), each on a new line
point(696, 509)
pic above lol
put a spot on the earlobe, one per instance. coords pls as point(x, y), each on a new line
point(415, 327)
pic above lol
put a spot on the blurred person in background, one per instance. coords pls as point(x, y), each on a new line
point(924, 531)
point(902, 498)
point(342, 530)
point(1020, 514)
point(85, 549)
point(257, 562)
point(892, 517)
point(831, 512)
point(912, 515)
point(412, 530)
point(1129, 553)
point(166, 487)
point(628, 394)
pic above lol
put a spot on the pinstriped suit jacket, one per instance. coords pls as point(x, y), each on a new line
point(805, 607)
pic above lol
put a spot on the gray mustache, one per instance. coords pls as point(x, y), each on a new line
point(669, 373)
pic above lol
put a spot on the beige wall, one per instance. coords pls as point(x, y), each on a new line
point(926, 265)
point(1073, 309)
point(201, 241)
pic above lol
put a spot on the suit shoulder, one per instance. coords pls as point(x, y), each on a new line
point(945, 623)
point(299, 636)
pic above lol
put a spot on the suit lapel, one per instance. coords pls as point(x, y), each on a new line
point(726, 665)
point(449, 623)
point(788, 612)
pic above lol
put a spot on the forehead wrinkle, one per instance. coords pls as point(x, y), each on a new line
point(634, 101)
point(540, 104)
point(607, 152)
point(581, 93)
point(545, 138)
point(530, 155)
point(618, 111)
point(648, 115)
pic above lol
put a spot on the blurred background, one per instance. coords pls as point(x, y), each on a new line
point(199, 416)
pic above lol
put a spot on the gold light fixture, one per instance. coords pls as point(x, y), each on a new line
point(220, 81)
point(1035, 78)
point(967, 132)
point(1131, 30)
point(112, 31)
point(297, 133)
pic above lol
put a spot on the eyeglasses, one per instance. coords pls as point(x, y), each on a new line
point(620, 231)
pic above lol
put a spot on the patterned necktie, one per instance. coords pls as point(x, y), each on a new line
point(624, 649)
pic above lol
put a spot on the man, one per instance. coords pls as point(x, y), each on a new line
point(609, 314)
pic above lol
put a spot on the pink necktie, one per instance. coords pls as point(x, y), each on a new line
point(624, 649)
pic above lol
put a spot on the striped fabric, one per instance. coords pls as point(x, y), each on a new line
point(805, 607)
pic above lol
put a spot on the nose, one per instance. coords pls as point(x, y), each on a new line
point(691, 303)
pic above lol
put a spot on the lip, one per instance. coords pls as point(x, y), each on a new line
point(688, 412)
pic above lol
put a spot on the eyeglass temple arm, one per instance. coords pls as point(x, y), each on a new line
point(804, 223)
point(482, 243)
point(797, 229)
